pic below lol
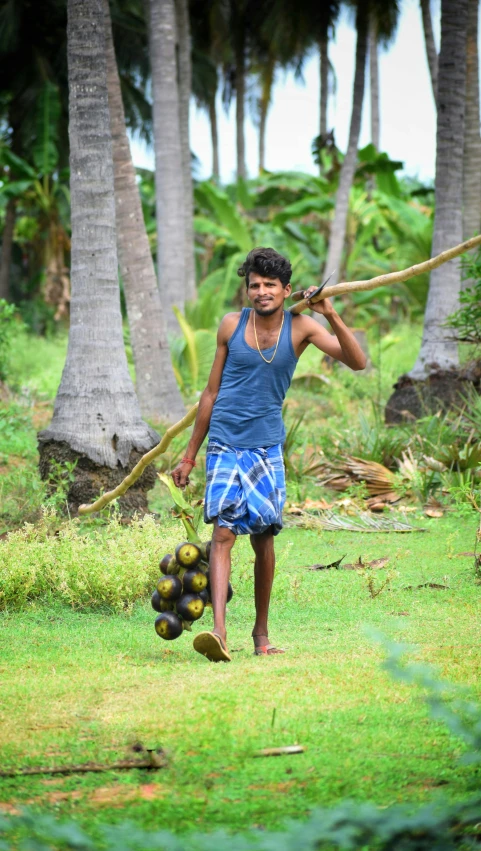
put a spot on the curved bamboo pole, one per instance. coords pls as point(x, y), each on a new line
point(389, 278)
point(139, 468)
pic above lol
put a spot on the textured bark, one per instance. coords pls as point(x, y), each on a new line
point(324, 74)
point(438, 349)
point(240, 85)
point(472, 139)
point(185, 88)
point(7, 243)
point(96, 414)
point(215, 139)
point(374, 83)
point(157, 390)
point(431, 53)
point(169, 185)
point(267, 81)
point(338, 227)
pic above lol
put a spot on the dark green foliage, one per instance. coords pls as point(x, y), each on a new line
point(7, 312)
point(467, 320)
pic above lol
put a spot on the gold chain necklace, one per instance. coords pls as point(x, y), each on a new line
point(278, 338)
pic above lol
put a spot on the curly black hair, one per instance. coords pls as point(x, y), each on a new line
point(266, 262)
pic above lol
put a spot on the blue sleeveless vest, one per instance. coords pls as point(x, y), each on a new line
point(248, 410)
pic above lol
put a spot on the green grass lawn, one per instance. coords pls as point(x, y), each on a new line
point(87, 684)
point(86, 681)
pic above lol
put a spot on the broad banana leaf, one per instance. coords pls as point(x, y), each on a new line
point(312, 204)
point(189, 337)
point(226, 214)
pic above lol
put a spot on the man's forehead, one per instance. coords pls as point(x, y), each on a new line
point(255, 278)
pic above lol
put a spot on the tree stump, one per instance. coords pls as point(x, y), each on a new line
point(89, 480)
point(443, 390)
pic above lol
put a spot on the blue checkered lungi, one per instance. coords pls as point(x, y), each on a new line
point(246, 488)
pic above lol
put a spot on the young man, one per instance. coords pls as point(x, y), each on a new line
point(241, 408)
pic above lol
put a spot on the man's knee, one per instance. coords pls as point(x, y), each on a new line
point(263, 541)
point(223, 536)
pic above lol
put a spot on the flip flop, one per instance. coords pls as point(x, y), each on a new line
point(268, 650)
point(210, 644)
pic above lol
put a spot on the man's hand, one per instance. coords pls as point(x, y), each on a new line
point(181, 474)
point(324, 306)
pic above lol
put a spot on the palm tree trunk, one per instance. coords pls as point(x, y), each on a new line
point(185, 88)
point(215, 138)
point(431, 53)
point(169, 184)
point(472, 139)
point(438, 350)
point(7, 243)
point(267, 81)
point(96, 418)
point(240, 104)
point(157, 390)
point(374, 83)
point(338, 227)
point(324, 73)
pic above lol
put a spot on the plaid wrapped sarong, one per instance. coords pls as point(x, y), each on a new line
point(245, 488)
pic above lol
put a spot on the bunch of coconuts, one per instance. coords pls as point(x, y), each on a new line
point(183, 590)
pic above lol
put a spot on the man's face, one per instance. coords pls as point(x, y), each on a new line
point(267, 295)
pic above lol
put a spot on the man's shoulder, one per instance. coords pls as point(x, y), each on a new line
point(302, 323)
point(228, 324)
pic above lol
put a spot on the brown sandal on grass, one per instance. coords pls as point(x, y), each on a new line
point(211, 645)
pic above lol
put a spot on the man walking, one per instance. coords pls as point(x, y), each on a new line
point(241, 409)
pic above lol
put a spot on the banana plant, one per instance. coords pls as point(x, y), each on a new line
point(42, 199)
point(192, 354)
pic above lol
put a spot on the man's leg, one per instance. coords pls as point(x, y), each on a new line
point(223, 540)
point(263, 546)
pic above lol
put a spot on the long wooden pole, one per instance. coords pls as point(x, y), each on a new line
point(389, 278)
point(139, 468)
point(301, 305)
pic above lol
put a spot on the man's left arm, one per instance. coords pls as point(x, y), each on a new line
point(343, 346)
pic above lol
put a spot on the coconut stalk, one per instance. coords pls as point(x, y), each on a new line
point(384, 280)
point(146, 459)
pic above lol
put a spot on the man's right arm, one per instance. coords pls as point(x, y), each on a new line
point(206, 402)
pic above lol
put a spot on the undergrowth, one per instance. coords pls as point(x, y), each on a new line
point(55, 560)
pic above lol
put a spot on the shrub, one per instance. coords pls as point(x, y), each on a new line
point(54, 560)
point(7, 313)
point(467, 320)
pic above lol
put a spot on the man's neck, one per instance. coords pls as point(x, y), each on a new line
point(267, 323)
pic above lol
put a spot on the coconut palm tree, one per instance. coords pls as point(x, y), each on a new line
point(184, 50)
point(472, 139)
point(438, 349)
point(211, 51)
point(96, 420)
point(157, 389)
point(169, 184)
point(338, 227)
point(383, 21)
point(374, 81)
point(431, 52)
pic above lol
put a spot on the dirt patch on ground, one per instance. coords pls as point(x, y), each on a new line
point(115, 795)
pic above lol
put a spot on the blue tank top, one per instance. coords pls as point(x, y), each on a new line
point(248, 410)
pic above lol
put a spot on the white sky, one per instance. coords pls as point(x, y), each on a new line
point(408, 122)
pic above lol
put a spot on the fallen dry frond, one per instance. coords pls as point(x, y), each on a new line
point(363, 522)
point(348, 470)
